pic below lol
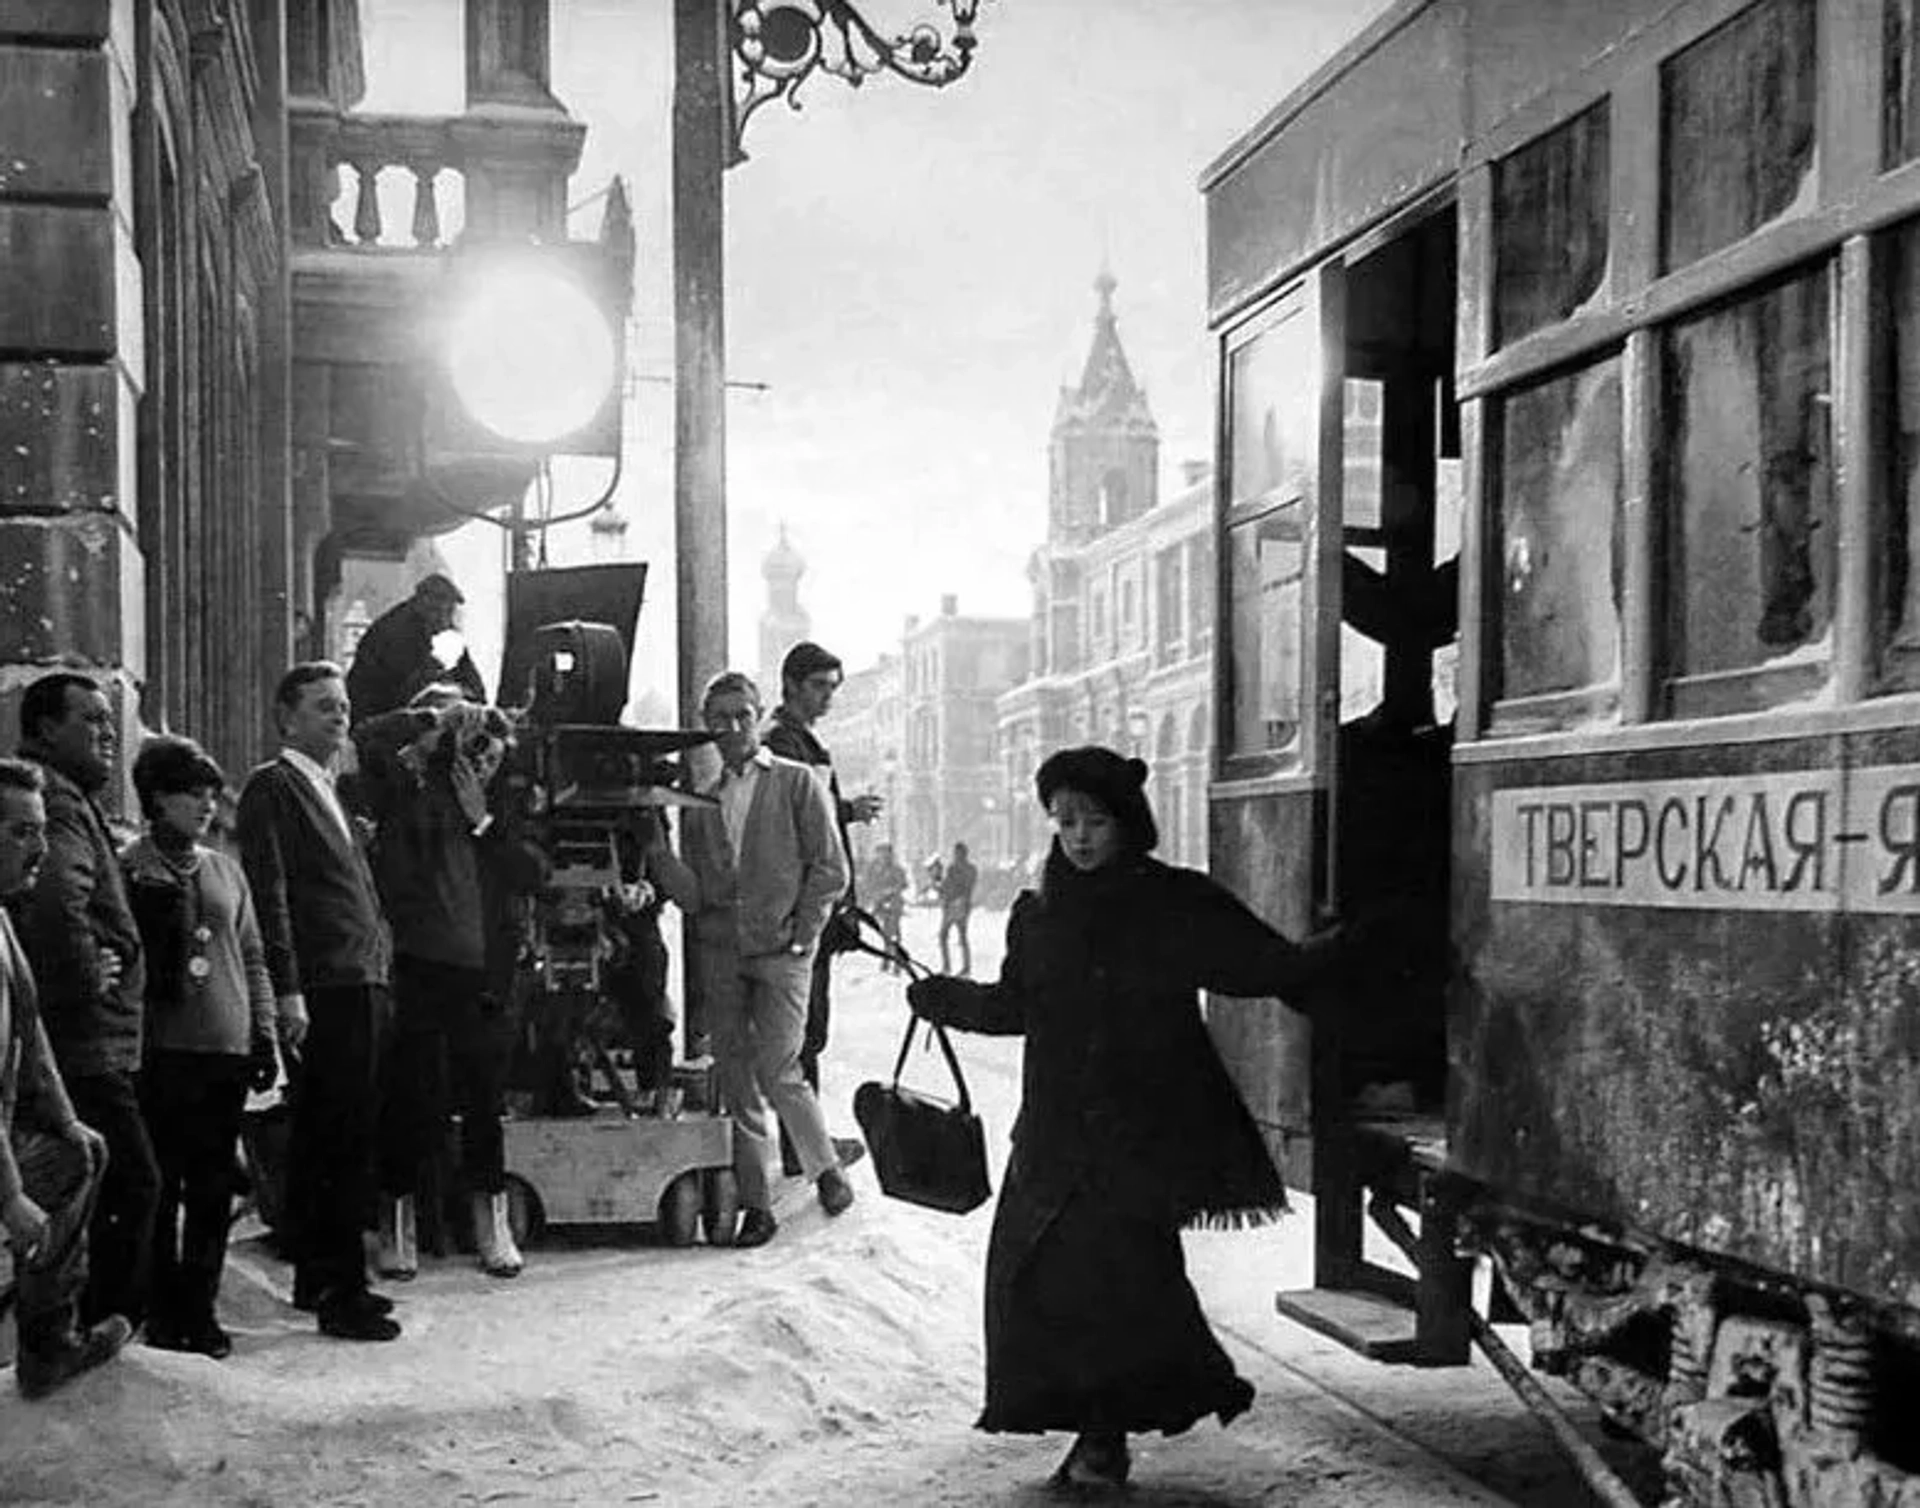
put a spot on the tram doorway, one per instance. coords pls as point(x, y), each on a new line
point(1400, 507)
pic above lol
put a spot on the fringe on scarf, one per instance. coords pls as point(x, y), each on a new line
point(1245, 1217)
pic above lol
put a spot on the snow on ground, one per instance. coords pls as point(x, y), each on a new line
point(840, 1362)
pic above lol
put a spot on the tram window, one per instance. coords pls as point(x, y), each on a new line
point(1559, 498)
point(1274, 380)
point(1748, 483)
point(1550, 203)
point(1364, 464)
point(1898, 588)
point(1737, 129)
point(1268, 602)
point(1902, 83)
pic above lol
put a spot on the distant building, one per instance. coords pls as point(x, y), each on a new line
point(784, 623)
point(1121, 637)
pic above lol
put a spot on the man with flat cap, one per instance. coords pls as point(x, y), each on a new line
point(395, 657)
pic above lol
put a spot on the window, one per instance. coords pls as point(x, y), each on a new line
point(1901, 80)
point(1274, 392)
point(1269, 558)
point(1559, 520)
point(1200, 593)
point(1897, 592)
point(1550, 203)
point(1747, 486)
point(1363, 465)
point(1169, 606)
point(1737, 128)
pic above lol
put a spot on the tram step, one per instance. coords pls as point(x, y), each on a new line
point(1370, 1323)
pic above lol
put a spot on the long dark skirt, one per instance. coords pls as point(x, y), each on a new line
point(1093, 1326)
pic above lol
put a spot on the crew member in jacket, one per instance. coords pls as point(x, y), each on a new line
point(327, 955)
point(84, 946)
point(50, 1162)
point(427, 773)
point(395, 658)
point(759, 872)
point(1129, 1127)
point(809, 676)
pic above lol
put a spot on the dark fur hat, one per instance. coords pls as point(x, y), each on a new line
point(1113, 780)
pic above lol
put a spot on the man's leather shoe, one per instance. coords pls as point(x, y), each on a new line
point(756, 1228)
point(836, 1194)
point(345, 1320)
point(307, 1297)
point(849, 1150)
point(39, 1372)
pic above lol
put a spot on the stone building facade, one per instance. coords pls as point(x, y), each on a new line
point(1121, 635)
point(210, 390)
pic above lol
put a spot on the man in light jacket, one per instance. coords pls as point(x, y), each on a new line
point(759, 873)
point(50, 1163)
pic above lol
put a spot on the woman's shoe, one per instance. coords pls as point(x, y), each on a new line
point(498, 1255)
point(398, 1255)
point(1096, 1460)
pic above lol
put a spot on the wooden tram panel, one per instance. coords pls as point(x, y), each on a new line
point(1603, 1058)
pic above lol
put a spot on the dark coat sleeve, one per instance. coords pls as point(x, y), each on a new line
point(1233, 952)
point(260, 855)
point(998, 1009)
point(60, 933)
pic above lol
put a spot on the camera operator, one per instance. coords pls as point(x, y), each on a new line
point(426, 773)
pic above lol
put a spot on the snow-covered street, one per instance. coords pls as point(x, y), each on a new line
point(839, 1363)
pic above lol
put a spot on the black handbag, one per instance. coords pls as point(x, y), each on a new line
point(925, 1151)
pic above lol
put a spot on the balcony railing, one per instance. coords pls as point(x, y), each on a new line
point(413, 182)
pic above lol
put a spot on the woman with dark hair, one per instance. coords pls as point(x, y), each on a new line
point(209, 1031)
point(426, 770)
point(1129, 1127)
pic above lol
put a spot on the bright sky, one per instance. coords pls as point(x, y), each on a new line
point(910, 272)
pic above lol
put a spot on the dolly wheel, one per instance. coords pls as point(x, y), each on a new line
point(680, 1210)
point(721, 1206)
point(525, 1218)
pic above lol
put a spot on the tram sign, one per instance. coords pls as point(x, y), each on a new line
point(1816, 840)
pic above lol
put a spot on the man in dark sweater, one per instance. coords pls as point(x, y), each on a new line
point(809, 676)
point(327, 955)
point(84, 946)
point(395, 658)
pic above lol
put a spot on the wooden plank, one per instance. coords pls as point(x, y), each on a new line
point(1640, 526)
point(1363, 1322)
point(1856, 473)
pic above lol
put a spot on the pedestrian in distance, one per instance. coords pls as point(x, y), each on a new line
point(327, 956)
point(51, 1163)
point(957, 884)
point(402, 651)
point(426, 776)
point(759, 871)
point(809, 677)
point(887, 892)
point(84, 946)
point(1129, 1128)
point(210, 1032)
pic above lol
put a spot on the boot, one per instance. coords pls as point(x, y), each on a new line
point(493, 1237)
point(45, 1365)
point(399, 1256)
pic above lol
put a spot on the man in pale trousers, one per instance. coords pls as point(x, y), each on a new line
point(759, 872)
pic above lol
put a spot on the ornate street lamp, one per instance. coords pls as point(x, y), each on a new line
point(780, 44)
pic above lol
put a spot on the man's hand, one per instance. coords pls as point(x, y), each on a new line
point(90, 1142)
point(26, 1225)
point(112, 967)
point(469, 792)
point(865, 807)
point(291, 1011)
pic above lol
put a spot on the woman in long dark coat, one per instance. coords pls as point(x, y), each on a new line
point(1129, 1128)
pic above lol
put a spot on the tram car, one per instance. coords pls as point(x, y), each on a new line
point(1569, 643)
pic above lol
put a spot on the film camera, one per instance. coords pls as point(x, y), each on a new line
point(586, 796)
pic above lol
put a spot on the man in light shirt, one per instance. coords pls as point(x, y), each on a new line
point(759, 873)
point(327, 954)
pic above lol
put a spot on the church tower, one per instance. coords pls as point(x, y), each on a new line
point(784, 623)
point(1105, 451)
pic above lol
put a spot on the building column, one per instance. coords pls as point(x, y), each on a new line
point(72, 578)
